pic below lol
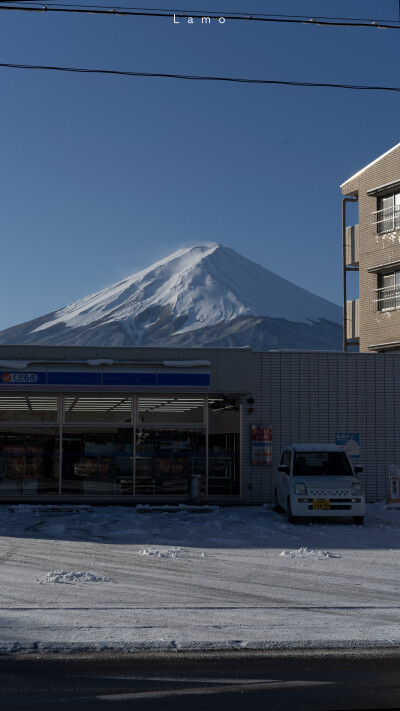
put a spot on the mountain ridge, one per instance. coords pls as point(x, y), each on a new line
point(202, 295)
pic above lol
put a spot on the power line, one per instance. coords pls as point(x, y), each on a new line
point(201, 12)
point(141, 12)
point(194, 77)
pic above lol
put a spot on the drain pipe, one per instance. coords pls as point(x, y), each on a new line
point(344, 201)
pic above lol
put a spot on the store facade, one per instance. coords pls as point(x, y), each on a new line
point(146, 425)
point(120, 425)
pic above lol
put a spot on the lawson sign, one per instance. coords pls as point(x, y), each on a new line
point(136, 380)
point(22, 378)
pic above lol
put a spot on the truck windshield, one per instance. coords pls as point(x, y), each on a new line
point(321, 464)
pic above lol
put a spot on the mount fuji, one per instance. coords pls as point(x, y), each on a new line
point(207, 295)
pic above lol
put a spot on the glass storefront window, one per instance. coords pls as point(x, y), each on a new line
point(166, 460)
point(97, 462)
point(28, 408)
point(92, 408)
point(223, 447)
point(98, 445)
point(170, 409)
point(29, 462)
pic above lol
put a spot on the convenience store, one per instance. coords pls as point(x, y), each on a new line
point(151, 425)
point(121, 425)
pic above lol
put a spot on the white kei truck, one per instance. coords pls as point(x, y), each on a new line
point(318, 480)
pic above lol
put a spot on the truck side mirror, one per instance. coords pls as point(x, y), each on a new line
point(358, 468)
point(283, 468)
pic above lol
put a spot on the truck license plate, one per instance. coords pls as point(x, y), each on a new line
point(321, 504)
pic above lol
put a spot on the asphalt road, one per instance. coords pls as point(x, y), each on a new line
point(314, 680)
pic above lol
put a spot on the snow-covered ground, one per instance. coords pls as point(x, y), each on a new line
point(121, 578)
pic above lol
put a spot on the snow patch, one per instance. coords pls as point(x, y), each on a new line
point(179, 508)
point(15, 364)
point(95, 362)
point(308, 553)
point(62, 576)
point(49, 508)
point(187, 645)
point(176, 552)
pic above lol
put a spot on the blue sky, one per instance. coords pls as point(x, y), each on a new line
point(101, 176)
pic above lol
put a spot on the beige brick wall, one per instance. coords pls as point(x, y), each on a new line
point(376, 327)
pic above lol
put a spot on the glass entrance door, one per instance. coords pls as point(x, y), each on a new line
point(223, 447)
point(166, 460)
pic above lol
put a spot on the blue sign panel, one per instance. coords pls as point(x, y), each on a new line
point(74, 378)
point(183, 380)
point(142, 380)
point(22, 378)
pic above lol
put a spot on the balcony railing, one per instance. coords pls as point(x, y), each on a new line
point(388, 219)
point(388, 298)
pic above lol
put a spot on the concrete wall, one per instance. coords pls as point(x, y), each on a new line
point(309, 397)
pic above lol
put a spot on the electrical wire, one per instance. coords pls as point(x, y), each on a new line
point(219, 13)
point(194, 77)
point(99, 10)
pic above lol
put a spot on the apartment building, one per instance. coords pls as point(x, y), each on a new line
point(372, 248)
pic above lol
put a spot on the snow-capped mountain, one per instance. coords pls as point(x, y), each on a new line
point(199, 296)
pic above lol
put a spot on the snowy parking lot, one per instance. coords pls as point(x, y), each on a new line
point(114, 577)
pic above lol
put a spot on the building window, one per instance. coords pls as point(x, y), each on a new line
point(388, 213)
point(388, 292)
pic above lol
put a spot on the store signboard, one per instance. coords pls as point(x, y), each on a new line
point(111, 379)
point(350, 441)
point(22, 378)
point(261, 446)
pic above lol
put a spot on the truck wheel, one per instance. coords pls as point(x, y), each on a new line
point(358, 520)
point(277, 506)
point(290, 517)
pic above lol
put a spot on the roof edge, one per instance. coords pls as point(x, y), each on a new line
point(369, 165)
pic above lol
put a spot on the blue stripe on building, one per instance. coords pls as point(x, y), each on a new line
point(71, 378)
point(187, 380)
point(130, 379)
